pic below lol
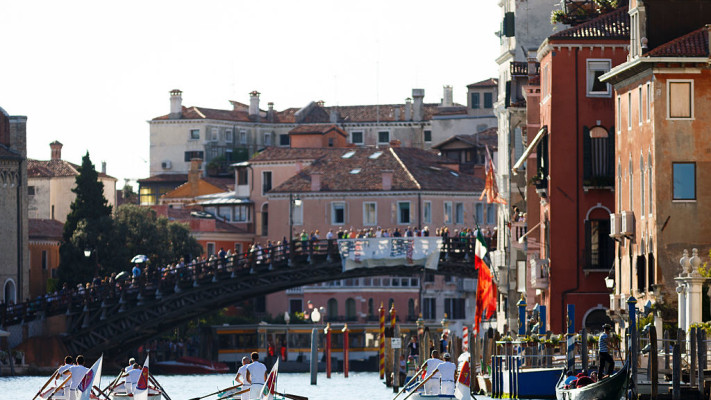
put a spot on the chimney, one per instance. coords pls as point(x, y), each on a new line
point(397, 114)
point(270, 111)
point(103, 167)
point(418, 106)
point(194, 176)
point(254, 104)
point(408, 109)
point(315, 181)
point(176, 104)
point(321, 103)
point(56, 150)
point(334, 116)
point(387, 179)
point(447, 99)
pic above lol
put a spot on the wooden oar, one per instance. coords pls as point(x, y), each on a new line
point(98, 390)
point(59, 387)
point(220, 391)
point(409, 382)
point(113, 383)
point(155, 382)
point(422, 383)
point(46, 383)
point(293, 396)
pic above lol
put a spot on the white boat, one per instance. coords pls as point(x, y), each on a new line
point(120, 392)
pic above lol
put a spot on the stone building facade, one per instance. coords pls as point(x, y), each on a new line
point(14, 254)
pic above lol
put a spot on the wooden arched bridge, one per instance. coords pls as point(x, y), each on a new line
point(123, 315)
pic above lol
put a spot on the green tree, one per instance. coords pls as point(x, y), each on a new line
point(88, 227)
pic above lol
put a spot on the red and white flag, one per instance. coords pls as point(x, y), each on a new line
point(141, 390)
point(91, 376)
point(485, 288)
point(270, 385)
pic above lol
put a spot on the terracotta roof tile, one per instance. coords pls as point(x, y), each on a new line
point(382, 112)
point(613, 25)
point(693, 44)
point(485, 83)
point(167, 178)
point(55, 168)
point(316, 129)
point(45, 229)
point(413, 169)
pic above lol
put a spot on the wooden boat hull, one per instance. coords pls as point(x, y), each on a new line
point(611, 388)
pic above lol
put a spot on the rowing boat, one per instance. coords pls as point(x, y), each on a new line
point(610, 388)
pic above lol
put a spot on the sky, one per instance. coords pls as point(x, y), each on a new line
point(91, 74)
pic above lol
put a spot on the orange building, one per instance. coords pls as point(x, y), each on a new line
point(663, 98)
point(45, 236)
point(569, 166)
point(314, 136)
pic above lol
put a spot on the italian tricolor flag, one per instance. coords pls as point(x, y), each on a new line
point(485, 288)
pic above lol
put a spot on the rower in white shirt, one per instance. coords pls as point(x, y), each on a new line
point(256, 376)
point(432, 385)
point(241, 378)
point(132, 376)
point(131, 361)
point(78, 371)
point(448, 370)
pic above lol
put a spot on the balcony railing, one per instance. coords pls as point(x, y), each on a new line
point(518, 230)
point(520, 68)
point(539, 273)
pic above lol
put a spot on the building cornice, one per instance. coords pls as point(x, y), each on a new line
point(342, 195)
point(547, 46)
point(632, 67)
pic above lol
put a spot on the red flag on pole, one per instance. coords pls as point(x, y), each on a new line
point(485, 288)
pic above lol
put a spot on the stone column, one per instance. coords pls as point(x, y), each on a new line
point(689, 287)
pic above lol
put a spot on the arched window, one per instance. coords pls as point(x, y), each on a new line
point(332, 309)
point(642, 191)
point(350, 309)
point(371, 312)
point(599, 247)
point(619, 186)
point(595, 319)
point(10, 292)
point(649, 182)
point(631, 185)
point(411, 309)
point(390, 304)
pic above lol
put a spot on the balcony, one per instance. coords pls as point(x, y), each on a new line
point(539, 273)
point(520, 68)
point(518, 230)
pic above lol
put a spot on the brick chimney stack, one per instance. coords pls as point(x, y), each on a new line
point(194, 176)
point(387, 179)
point(316, 182)
point(176, 104)
point(56, 150)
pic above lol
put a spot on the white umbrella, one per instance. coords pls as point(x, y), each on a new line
point(140, 258)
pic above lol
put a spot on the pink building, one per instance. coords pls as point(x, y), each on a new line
point(332, 189)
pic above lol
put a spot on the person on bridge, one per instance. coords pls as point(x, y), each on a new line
point(447, 368)
point(78, 371)
point(241, 377)
point(430, 369)
point(256, 376)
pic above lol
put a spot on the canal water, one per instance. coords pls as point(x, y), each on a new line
point(358, 386)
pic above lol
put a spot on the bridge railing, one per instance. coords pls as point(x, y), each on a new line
point(154, 282)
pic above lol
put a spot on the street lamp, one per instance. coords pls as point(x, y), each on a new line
point(293, 202)
point(87, 253)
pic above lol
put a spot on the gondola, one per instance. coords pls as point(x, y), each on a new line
point(610, 388)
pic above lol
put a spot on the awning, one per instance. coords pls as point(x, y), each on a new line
point(529, 149)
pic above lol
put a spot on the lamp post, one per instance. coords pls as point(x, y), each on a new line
point(293, 201)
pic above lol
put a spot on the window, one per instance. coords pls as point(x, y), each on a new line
point(268, 139)
point(427, 212)
point(595, 87)
point(243, 137)
point(189, 155)
point(30, 190)
point(630, 187)
point(649, 101)
point(475, 100)
point(44, 260)
point(600, 250)
point(491, 214)
point(619, 187)
point(338, 213)
point(295, 305)
point(479, 213)
point(447, 212)
point(459, 213)
point(284, 140)
point(266, 181)
point(545, 79)
point(639, 105)
point(210, 249)
point(238, 249)
point(350, 309)
point(629, 110)
point(649, 182)
point(403, 215)
point(488, 100)
point(229, 136)
point(195, 134)
point(297, 213)
point(241, 213)
point(242, 176)
point(429, 308)
point(598, 156)
point(454, 308)
point(370, 215)
point(357, 137)
point(383, 137)
point(330, 142)
point(680, 102)
point(428, 136)
point(214, 136)
point(684, 181)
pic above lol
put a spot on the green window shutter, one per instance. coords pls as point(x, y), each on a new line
point(508, 94)
point(587, 156)
point(509, 25)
